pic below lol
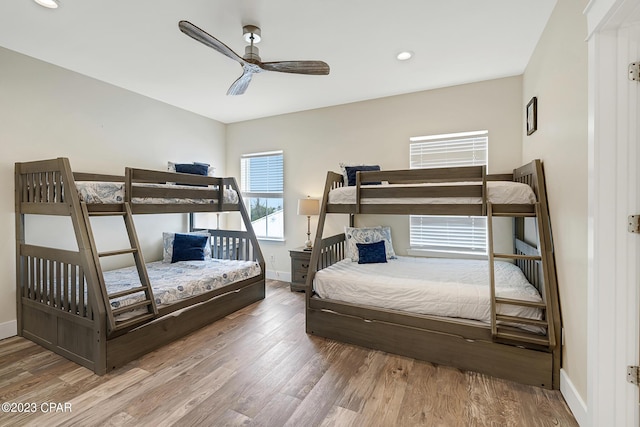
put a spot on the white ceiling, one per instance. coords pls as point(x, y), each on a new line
point(136, 45)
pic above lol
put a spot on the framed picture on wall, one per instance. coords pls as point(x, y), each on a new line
point(532, 115)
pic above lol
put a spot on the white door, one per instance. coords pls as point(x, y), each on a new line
point(634, 115)
point(614, 194)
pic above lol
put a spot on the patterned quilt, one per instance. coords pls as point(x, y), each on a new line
point(113, 192)
point(180, 280)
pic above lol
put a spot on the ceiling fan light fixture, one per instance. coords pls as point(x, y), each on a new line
point(50, 4)
point(251, 31)
point(404, 56)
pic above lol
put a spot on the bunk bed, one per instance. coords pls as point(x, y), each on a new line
point(519, 336)
point(104, 319)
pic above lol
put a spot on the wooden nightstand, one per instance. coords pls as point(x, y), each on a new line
point(299, 268)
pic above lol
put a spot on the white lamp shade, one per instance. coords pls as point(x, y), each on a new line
point(308, 207)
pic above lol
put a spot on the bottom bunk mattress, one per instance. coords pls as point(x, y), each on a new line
point(456, 288)
point(180, 280)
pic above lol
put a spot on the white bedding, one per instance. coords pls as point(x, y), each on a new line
point(113, 192)
point(433, 286)
point(173, 282)
point(498, 192)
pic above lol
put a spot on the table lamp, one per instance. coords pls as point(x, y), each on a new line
point(308, 207)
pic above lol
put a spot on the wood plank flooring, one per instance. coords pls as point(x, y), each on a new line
point(258, 367)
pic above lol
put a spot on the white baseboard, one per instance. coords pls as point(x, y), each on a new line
point(8, 329)
point(572, 397)
point(284, 276)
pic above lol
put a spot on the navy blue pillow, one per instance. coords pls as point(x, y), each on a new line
point(188, 247)
point(371, 253)
point(351, 174)
point(193, 169)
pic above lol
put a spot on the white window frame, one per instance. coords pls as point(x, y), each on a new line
point(448, 235)
point(247, 195)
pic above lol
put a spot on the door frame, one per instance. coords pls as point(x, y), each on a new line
point(613, 307)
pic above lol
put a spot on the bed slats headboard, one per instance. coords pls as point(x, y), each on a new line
point(530, 174)
point(43, 186)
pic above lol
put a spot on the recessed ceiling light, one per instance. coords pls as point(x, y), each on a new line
point(403, 56)
point(51, 4)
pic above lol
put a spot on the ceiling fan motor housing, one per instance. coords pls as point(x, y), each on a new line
point(252, 53)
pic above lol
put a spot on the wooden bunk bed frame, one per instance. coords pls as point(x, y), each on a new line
point(62, 303)
point(493, 349)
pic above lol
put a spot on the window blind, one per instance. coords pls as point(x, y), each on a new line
point(452, 150)
point(262, 187)
point(449, 233)
point(262, 173)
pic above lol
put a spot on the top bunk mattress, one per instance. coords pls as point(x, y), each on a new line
point(95, 192)
point(498, 192)
point(456, 288)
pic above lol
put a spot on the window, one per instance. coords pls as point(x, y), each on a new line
point(449, 233)
point(262, 185)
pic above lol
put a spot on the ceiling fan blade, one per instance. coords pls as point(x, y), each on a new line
point(239, 86)
point(207, 39)
point(297, 67)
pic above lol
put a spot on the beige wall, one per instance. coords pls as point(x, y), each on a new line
point(557, 76)
point(48, 112)
point(374, 132)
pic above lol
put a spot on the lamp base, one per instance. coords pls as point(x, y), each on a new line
point(308, 245)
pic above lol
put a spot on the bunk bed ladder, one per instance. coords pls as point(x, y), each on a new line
point(503, 333)
point(148, 302)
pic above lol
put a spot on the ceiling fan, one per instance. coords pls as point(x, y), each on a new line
point(251, 62)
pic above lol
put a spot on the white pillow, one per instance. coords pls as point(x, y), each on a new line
point(367, 235)
point(167, 245)
point(343, 169)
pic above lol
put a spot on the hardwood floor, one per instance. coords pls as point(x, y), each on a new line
point(258, 367)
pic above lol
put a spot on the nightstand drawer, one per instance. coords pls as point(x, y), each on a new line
point(299, 276)
point(300, 265)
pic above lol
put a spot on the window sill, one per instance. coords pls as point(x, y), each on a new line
point(271, 239)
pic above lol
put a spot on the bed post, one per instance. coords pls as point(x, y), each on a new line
point(332, 178)
point(484, 190)
point(128, 186)
point(552, 285)
point(19, 241)
point(532, 174)
point(99, 340)
point(247, 223)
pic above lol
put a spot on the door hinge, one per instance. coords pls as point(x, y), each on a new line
point(634, 71)
point(633, 374)
point(634, 224)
